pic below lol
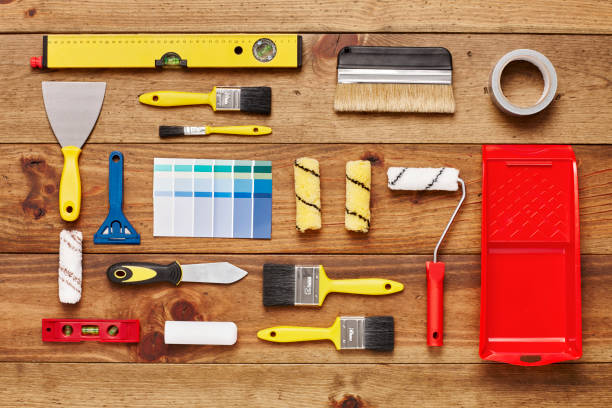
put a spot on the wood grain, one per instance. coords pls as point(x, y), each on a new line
point(317, 385)
point(535, 16)
point(302, 110)
point(29, 283)
point(402, 222)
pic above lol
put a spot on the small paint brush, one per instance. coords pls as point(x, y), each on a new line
point(356, 333)
point(171, 131)
point(245, 99)
point(302, 285)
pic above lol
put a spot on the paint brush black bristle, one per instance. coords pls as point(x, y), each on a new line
point(379, 333)
point(256, 99)
point(168, 131)
point(278, 285)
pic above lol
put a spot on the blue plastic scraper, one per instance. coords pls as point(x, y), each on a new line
point(116, 229)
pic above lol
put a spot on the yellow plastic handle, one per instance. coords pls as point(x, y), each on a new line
point(175, 98)
point(370, 286)
point(70, 185)
point(289, 334)
point(240, 130)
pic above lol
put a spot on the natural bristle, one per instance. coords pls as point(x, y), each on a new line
point(165, 131)
point(256, 99)
point(379, 333)
point(278, 285)
point(421, 98)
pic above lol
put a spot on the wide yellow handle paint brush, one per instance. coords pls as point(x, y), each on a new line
point(253, 130)
point(372, 333)
point(246, 99)
point(303, 285)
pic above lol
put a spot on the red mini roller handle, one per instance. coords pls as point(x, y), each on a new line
point(435, 303)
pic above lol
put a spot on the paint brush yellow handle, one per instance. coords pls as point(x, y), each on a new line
point(175, 98)
point(239, 130)
point(289, 334)
point(70, 185)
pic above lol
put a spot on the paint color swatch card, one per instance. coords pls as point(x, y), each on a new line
point(212, 198)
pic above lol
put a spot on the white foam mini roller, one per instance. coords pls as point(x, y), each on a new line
point(423, 178)
point(205, 333)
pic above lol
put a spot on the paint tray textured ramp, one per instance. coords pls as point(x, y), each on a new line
point(530, 295)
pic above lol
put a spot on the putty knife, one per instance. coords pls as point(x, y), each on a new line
point(72, 109)
point(129, 273)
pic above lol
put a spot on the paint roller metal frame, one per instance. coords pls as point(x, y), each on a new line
point(452, 218)
point(435, 285)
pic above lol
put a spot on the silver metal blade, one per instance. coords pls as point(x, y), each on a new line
point(219, 272)
point(73, 109)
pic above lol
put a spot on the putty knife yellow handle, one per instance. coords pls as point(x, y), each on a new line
point(70, 185)
point(370, 286)
point(175, 98)
point(239, 130)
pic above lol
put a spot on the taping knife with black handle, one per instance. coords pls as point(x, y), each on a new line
point(136, 273)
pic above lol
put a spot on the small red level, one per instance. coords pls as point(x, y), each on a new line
point(106, 331)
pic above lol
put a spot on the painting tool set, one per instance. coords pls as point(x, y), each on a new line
point(530, 306)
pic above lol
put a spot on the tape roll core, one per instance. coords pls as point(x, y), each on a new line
point(548, 74)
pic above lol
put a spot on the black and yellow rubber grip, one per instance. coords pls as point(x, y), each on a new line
point(137, 273)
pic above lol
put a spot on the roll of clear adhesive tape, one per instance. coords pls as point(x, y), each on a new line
point(548, 74)
point(209, 333)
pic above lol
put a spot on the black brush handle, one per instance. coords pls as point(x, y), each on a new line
point(138, 273)
point(356, 57)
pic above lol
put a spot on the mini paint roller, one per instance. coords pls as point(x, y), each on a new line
point(358, 183)
point(307, 194)
point(423, 179)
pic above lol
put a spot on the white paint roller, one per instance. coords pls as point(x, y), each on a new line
point(204, 333)
point(442, 178)
point(426, 178)
point(70, 271)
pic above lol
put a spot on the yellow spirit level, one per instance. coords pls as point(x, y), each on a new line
point(170, 50)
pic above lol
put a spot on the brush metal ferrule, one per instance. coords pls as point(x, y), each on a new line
point(227, 98)
point(307, 285)
point(395, 76)
point(352, 333)
point(194, 130)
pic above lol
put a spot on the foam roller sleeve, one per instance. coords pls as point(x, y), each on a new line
point(202, 333)
point(358, 182)
point(307, 194)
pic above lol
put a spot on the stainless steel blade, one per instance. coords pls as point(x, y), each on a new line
point(73, 109)
point(219, 272)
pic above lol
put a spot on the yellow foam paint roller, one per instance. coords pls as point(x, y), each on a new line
point(358, 183)
point(307, 194)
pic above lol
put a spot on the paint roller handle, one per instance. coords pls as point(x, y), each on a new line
point(435, 303)
point(135, 273)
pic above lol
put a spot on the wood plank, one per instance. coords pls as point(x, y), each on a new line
point(303, 100)
point(402, 222)
point(29, 283)
point(535, 16)
point(316, 385)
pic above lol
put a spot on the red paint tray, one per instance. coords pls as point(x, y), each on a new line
point(530, 297)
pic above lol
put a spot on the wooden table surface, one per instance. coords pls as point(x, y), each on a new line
point(576, 35)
